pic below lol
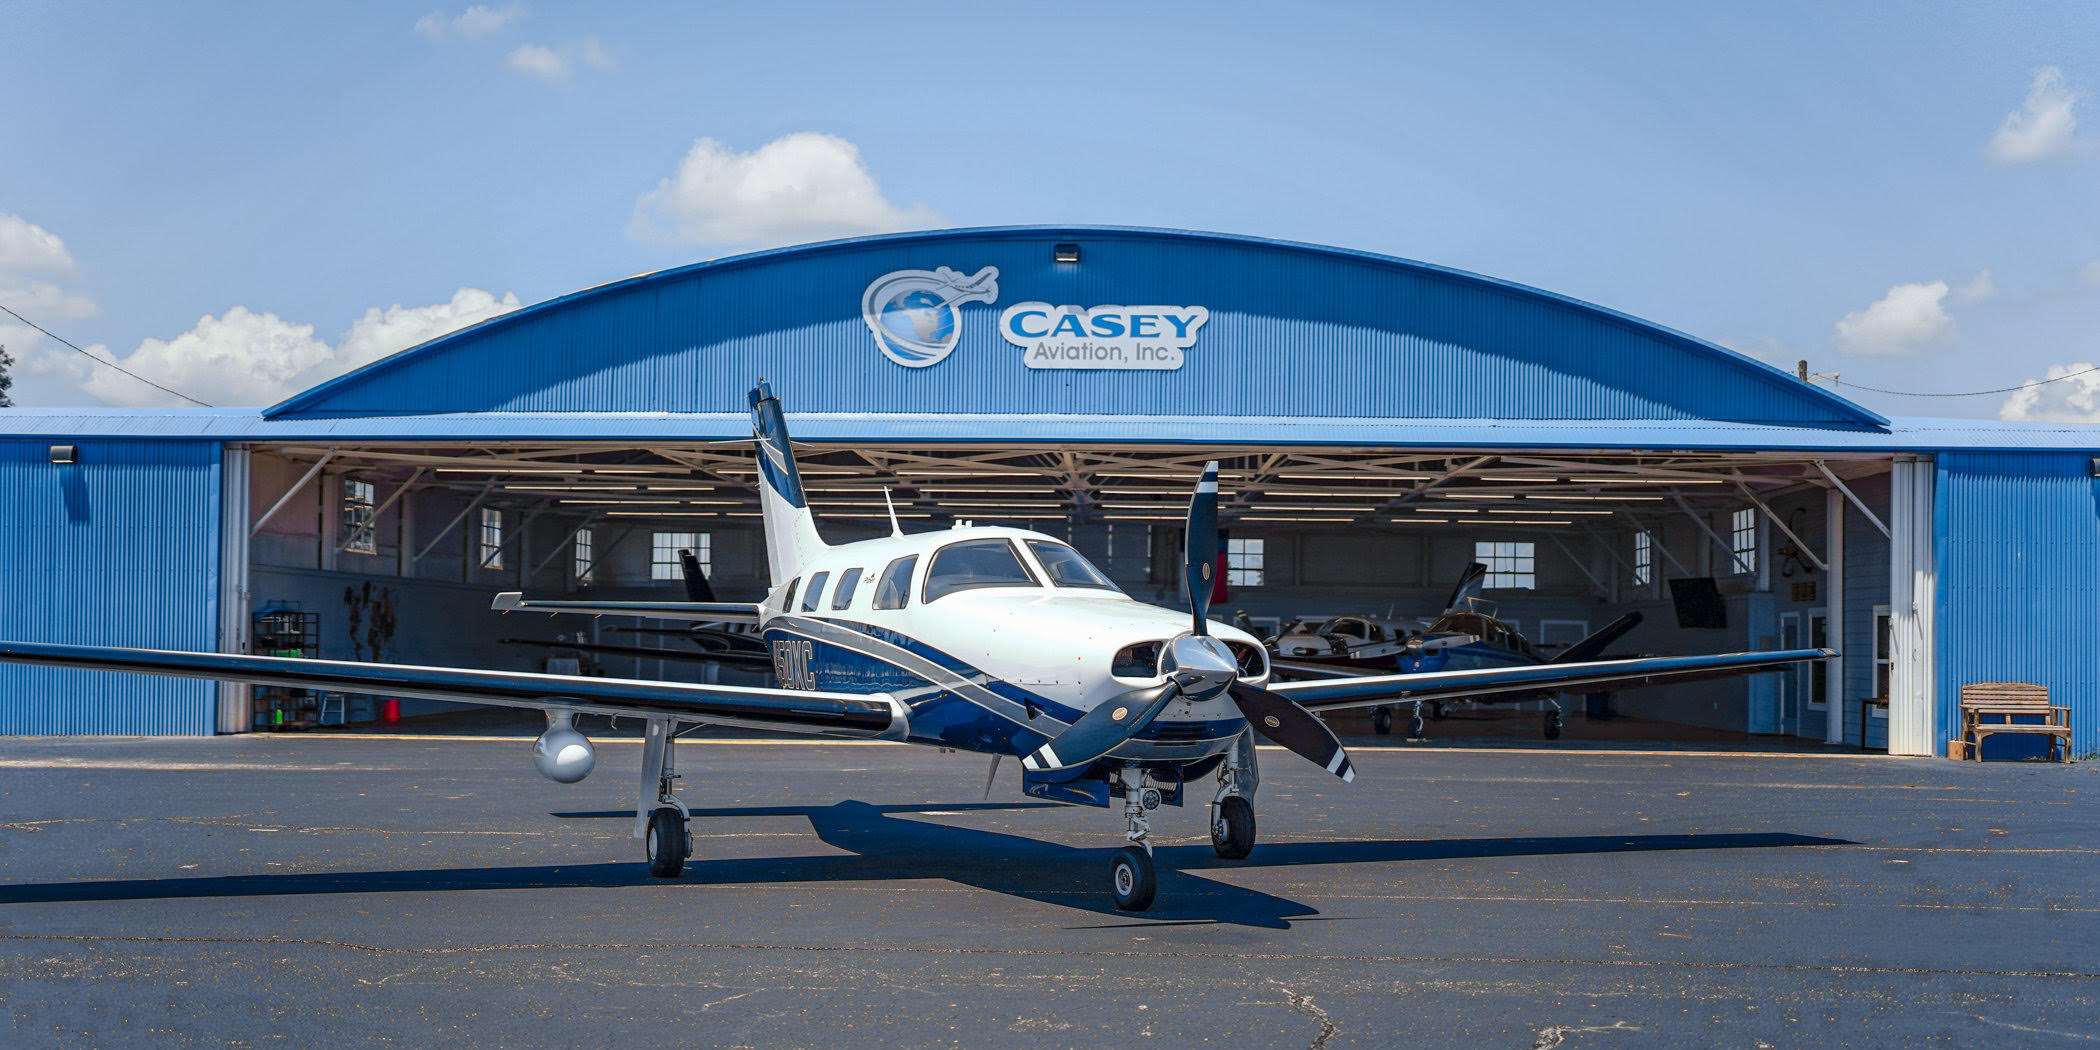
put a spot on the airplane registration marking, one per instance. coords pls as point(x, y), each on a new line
point(793, 660)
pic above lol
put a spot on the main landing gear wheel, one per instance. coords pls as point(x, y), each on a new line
point(1436, 711)
point(1381, 721)
point(1553, 725)
point(667, 843)
point(1130, 878)
point(1232, 828)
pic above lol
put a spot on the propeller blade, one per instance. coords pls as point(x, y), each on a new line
point(1100, 730)
point(1201, 546)
point(1300, 731)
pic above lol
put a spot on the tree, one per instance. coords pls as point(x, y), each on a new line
point(6, 381)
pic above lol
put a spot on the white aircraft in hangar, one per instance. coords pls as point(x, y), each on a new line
point(994, 640)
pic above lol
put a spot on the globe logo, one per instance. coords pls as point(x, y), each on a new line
point(913, 315)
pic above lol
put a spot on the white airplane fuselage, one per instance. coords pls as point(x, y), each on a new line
point(994, 667)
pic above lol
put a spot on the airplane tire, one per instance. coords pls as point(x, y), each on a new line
point(1436, 711)
point(1553, 725)
point(1130, 879)
point(1381, 721)
point(1232, 829)
point(667, 843)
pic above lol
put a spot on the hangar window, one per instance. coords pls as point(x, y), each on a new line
point(664, 548)
point(358, 501)
point(815, 593)
point(1067, 567)
point(491, 538)
point(1511, 566)
point(1643, 558)
point(972, 564)
point(849, 581)
point(583, 552)
point(895, 588)
point(1742, 539)
point(1244, 563)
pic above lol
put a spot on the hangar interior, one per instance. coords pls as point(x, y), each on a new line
point(1573, 541)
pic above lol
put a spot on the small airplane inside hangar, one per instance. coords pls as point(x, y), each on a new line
point(1381, 426)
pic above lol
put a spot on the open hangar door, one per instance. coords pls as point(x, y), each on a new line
point(392, 551)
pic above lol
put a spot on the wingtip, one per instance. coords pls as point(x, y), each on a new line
point(508, 601)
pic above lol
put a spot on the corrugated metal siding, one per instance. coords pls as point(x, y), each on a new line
point(1294, 332)
point(118, 549)
point(2019, 581)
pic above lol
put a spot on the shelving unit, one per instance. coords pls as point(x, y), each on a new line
point(285, 631)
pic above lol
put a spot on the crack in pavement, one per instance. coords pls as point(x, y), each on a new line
point(1304, 1004)
point(1553, 1035)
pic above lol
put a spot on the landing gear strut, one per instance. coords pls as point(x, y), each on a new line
point(1553, 722)
point(659, 818)
point(1130, 875)
point(1416, 730)
point(1232, 811)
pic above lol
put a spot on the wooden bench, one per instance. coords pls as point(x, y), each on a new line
point(2007, 701)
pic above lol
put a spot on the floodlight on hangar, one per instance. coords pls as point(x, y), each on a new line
point(64, 454)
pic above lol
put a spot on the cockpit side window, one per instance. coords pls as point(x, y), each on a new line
point(849, 581)
point(787, 597)
point(894, 589)
point(1067, 567)
point(815, 594)
point(972, 564)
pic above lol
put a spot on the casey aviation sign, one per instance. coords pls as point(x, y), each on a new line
point(915, 318)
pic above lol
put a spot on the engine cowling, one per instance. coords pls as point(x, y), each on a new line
point(562, 754)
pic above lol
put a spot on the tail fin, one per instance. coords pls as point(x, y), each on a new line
point(791, 531)
point(697, 588)
point(1593, 647)
point(1468, 586)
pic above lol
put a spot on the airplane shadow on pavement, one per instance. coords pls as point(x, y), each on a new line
point(885, 847)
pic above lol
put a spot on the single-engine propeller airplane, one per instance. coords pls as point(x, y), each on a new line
point(988, 639)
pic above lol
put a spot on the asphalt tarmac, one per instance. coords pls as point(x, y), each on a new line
point(346, 892)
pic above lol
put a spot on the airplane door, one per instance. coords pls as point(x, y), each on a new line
point(1790, 685)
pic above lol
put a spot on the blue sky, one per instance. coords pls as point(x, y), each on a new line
point(323, 183)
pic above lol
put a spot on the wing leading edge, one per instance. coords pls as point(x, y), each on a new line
point(1594, 676)
point(793, 710)
point(698, 612)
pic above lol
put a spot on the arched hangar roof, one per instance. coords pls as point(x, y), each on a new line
point(1293, 331)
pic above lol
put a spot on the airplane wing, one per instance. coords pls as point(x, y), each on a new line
point(699, 612)
point(1319, 670)
point(1595, 676)
point(793, 710)
point(734, 658)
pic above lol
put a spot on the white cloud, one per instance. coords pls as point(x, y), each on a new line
point(26, 247)
point(1908, 320)
point(246, 358)
point(2072, 400)
point(44, 301)
point(2042, 127)
point(1975, 291)
point(2090, 273)
point(558, 64)
point(801, 187)
point(382, 332)
point(477, 21)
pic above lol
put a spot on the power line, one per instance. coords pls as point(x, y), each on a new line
point(99, 361)
point(1971, 393)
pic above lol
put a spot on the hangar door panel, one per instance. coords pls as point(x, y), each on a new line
point(118, 548)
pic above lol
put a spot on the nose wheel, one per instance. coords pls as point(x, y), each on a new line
point(1131, 879)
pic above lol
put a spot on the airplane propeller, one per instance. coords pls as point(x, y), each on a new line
point(1197, 666)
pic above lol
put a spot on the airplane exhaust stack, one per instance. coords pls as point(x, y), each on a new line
point(562, 754)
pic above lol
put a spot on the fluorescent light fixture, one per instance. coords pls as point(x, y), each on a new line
point(1514, 521)
point(1266, 505)
point(1345, 477)
point(566, 468)
point(966, 473)
point(1613, 498)
point(1330, 521)
point(1556, 510)
point(652, 502)
point(1635, 479)
point(1473, 495)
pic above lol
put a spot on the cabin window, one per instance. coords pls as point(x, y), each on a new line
point(1245, 563)
point(1511, 566)
point(491, 538)
point(1643, 559)
point(1742, 539)
point(1067, 567)
point(895, 587)
point(787, 597)
point(972, 564)
point(664, 548)
point(849, 581)
point(358, 499)
point(584, 553)
point(815, 594)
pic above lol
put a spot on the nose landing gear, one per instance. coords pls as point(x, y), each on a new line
point(1131, 878)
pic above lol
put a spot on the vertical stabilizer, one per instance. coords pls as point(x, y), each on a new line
point(791, 531)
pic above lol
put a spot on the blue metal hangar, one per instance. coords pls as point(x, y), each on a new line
point(1382, 423)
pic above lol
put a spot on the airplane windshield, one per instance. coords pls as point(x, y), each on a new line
point(975, 563)
point(1067, 567)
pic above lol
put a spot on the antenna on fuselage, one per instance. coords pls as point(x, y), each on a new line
point(895, 529)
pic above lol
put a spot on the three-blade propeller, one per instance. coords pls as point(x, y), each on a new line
point(1198, 667)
